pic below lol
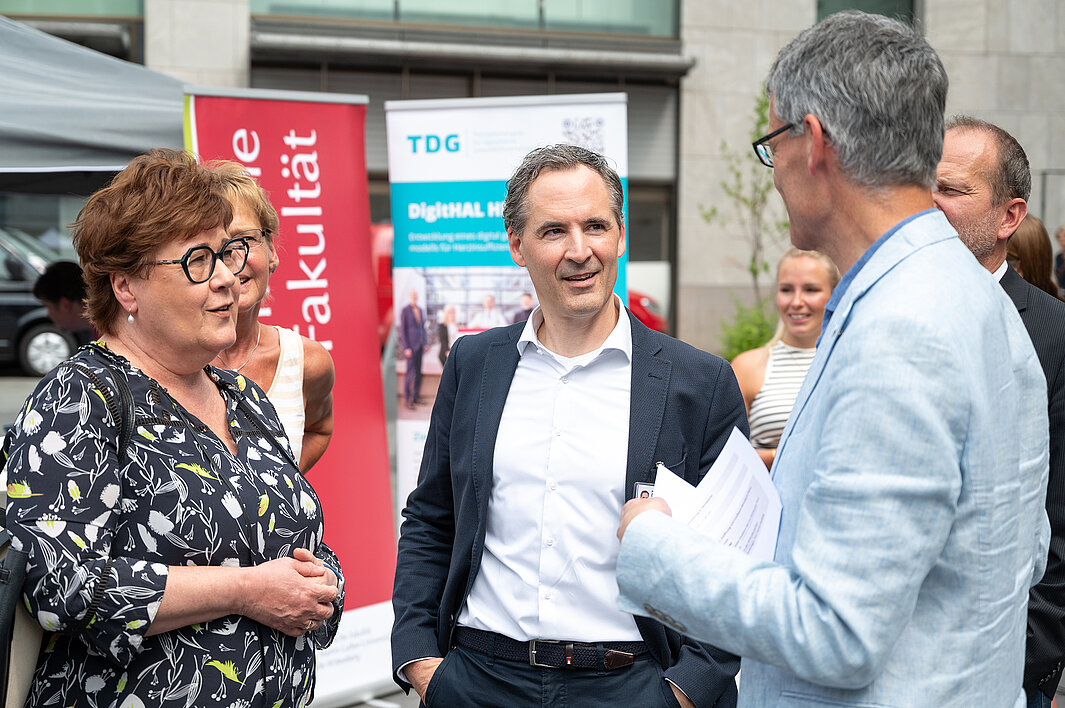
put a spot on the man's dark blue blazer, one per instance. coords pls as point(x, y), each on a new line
point(684, 403)
point(1044, 318)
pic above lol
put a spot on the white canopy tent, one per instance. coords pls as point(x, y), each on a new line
point(71, 117)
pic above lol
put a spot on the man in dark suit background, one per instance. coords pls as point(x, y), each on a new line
point(62, 290)
point(505, 590)
point(412, 340)
point(527, 305)
point(982, 185)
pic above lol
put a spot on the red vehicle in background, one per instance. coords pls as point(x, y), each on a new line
point(647, 310)
point(644, 307)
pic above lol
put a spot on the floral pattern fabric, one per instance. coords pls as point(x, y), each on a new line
point(101, 529)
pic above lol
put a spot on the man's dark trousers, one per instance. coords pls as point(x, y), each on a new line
point(470, 678)
point(412, 379)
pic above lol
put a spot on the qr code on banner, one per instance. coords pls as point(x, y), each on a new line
point(585, 132)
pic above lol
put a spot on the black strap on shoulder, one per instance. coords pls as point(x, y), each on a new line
point(12, 575)
point(121, 410)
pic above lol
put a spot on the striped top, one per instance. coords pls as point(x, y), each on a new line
point(286, 392)
point(784, 372)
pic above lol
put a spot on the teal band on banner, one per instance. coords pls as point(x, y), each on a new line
point(453, 224)
point(449, 224)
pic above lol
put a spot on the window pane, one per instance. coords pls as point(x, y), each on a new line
point(362, 9)
point(653, 18)
point(901, 9)
point(100, 8)
point(481, 13)
point(656, 18)
point(43, 219)
point(650, 217)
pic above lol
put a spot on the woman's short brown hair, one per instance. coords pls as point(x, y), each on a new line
point(161, 197)
point(241, 187)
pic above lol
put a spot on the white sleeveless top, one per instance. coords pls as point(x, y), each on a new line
point(286, 391)
point(784, 373)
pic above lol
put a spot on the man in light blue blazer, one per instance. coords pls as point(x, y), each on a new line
point(913, 468)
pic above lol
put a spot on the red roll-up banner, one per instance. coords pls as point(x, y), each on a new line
point(308, 151)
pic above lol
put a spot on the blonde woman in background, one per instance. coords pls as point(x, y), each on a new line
point(296, 372)
point(770, 376)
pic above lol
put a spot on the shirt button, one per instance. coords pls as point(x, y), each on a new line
point(547, 596)
point(565, 380)
point(550, 541)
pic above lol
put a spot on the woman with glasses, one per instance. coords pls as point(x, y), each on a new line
point(297, 372)
point(175, 551)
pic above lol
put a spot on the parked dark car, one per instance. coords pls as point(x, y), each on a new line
point(26, 334)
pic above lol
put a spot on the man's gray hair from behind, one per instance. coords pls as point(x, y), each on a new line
point(556, 157)
point(878, 89)
point(1012, 176)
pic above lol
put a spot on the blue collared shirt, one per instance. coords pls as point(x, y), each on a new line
point(841, 288)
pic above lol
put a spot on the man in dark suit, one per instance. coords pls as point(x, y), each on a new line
point(412, 341)
point(982, 184)
point(527, 305)
point(505, 590)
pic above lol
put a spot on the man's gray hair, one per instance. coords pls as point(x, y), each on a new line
point(1012, 176)
point(878, 89)
point(556, 157)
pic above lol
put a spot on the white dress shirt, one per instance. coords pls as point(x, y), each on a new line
point(550, 552)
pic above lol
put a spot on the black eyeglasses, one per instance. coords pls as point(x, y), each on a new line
point(199, 261)
point(763, 149)
point(253, 236)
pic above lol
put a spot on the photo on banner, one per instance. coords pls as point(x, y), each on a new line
point(456, 302)
point(453, 275)
point(307, 150)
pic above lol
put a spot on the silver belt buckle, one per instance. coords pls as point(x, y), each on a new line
point(532, 652)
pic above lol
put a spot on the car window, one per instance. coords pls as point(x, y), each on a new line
point(19, 262)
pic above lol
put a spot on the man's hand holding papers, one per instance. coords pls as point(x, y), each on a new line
point(635, 507)
point(735, 503)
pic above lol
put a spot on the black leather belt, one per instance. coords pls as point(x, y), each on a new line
point(550, 653)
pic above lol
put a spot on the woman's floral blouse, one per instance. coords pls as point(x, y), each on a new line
point(103, 525)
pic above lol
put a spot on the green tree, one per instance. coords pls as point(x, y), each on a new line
point(748, 186)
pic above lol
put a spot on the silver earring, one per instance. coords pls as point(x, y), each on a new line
point(130, 318)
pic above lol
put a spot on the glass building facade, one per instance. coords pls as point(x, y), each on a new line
point(629, 17)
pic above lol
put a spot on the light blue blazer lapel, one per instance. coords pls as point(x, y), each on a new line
point(647, 404)
point(500, 363)
point(919, 233)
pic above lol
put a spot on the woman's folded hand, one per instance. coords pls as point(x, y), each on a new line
point(288, 594)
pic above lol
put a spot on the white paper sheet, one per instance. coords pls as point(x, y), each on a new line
point(735, 503)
